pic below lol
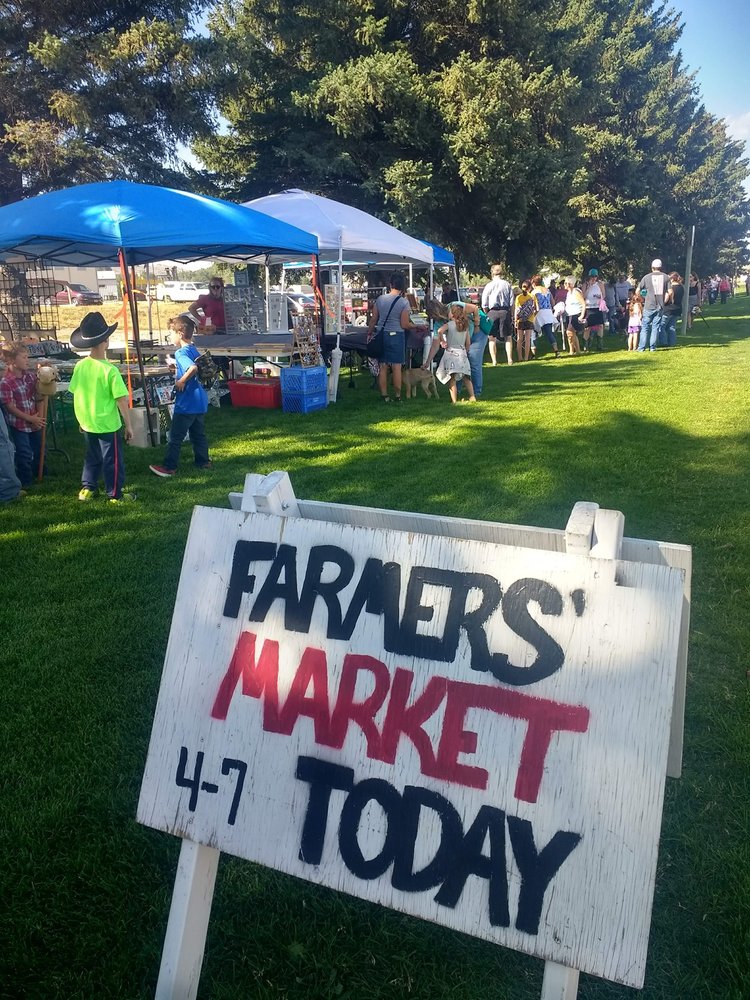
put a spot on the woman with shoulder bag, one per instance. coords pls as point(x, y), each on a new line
point(389, 321)
point(575, 310)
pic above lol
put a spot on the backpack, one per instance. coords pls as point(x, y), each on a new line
point(525, 311)
point(208, 370)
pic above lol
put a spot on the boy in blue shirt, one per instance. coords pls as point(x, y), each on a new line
point(191, 402)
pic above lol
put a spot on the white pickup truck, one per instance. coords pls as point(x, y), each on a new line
point(179, 291)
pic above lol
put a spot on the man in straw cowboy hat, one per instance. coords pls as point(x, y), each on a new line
point(100, 400)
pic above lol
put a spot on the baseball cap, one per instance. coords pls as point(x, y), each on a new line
point(656, 263)
point(594, 272)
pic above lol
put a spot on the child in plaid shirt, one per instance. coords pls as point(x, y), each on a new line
point(18, 399)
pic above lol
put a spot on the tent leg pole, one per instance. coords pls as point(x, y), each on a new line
point(149, 302)
point(137, 340)
point(342, 307)
point(268, 297)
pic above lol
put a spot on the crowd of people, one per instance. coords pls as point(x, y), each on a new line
point(571, 316)
point(100, 401)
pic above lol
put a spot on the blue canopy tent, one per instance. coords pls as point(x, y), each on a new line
point(94, 223)
point(127, 223)
point(441, 256)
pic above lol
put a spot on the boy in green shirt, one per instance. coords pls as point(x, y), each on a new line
point(100, 400)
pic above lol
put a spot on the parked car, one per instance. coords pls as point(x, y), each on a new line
point(298, 303)
point(471, 294)
point(74, 295)
point(179, 291)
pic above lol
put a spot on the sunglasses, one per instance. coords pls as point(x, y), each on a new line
point(215, 286)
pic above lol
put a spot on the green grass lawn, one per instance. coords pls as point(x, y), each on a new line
point(86, 595)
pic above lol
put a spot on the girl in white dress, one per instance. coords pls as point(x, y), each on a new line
point(455, 339)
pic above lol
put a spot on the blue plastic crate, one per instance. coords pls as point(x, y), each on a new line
point(303, 381)
point(298, 403)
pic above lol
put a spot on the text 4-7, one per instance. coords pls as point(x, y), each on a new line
point(196, 786)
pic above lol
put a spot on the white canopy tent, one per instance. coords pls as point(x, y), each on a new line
point(343, 231)
point(346, 235)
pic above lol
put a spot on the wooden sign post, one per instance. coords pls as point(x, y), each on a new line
point(462, 724)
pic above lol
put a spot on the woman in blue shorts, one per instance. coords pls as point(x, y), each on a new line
point(391, 314)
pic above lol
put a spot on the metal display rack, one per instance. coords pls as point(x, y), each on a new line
point(27, 305)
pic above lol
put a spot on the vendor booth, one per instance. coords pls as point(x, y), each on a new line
point(126, 223)
point(349, 238)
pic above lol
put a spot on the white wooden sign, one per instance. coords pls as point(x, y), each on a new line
point(471, 733)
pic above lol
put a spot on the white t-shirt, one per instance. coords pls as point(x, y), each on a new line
point(594, 296)
point(573, 302)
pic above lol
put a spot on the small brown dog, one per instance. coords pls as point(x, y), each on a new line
point(413, 377)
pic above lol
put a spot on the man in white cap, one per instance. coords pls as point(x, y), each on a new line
point(653, 286)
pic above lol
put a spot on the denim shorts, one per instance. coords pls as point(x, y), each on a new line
point(394, 348)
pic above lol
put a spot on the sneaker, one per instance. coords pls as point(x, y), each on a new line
point(86, 494)
point(124, 497)
point(160, 470)
point(208, 465)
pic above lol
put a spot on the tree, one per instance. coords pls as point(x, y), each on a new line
point(517, 130)
point(101, 93)
point(397, 109)
point(656, 162)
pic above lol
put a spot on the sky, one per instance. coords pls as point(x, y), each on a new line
point(715, 43)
